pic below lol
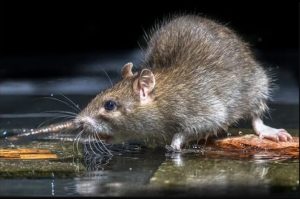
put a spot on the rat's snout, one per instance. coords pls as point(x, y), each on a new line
point(86, 123)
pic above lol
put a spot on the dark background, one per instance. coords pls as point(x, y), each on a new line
point(51, 29)
point(31, 28)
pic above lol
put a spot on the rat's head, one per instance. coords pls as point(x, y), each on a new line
point(109, 111)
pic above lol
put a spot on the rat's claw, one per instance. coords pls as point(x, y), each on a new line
point(277, 135)
point(284, 135)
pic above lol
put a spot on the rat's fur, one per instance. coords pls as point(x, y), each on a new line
point(205, 78)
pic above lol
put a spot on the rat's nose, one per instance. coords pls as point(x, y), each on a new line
point(86, 123)
point(79, 124)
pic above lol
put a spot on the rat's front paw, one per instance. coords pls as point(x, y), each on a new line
point(172, 149)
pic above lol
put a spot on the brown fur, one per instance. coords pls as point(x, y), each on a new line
point(206, 79)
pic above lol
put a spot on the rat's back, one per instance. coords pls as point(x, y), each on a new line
point(209, 66)
point(189, 40)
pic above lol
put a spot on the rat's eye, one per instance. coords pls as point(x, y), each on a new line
point(110, 105)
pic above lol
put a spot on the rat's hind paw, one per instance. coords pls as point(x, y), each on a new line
point(264, 131)
point(275, 134)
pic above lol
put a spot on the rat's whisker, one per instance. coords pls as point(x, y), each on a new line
point(111, 83)
point(103, 145)
point(96, 145)
point(63, 102)
point(86, 151)
point(76, 140)
point(72, 102)
point(90, 145)
point(62, 112)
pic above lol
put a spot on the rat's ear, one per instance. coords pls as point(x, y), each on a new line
point(127, 70)
point(144, 85)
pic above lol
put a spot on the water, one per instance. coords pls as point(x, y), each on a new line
point(141, 171)
point(154, 174)
point(121, 172)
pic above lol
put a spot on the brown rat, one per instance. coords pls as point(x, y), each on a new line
point(197, 77)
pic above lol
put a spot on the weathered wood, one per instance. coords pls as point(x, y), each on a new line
point(252, 144)
point(27, 153)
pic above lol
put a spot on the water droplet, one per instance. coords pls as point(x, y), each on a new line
point(130, 169)
point(51, 94)
point(4, 133)
point(24, 130)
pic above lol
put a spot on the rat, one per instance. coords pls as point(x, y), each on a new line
point(197, 77)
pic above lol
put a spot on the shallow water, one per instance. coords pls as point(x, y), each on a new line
point(155, 174)
point(135, 171)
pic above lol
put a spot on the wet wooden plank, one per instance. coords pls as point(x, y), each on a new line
point(41, 159)
point(252, 144)
point(24, 151)
point(27, 153)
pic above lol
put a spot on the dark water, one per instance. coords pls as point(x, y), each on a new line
point(158, 174)
point(130, 176)
point(122, 172)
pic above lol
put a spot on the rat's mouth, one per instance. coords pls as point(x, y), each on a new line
point(97, 135)
point(103, 136)
point(92, 126)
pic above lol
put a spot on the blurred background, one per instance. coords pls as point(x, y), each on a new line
point(72, 48)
